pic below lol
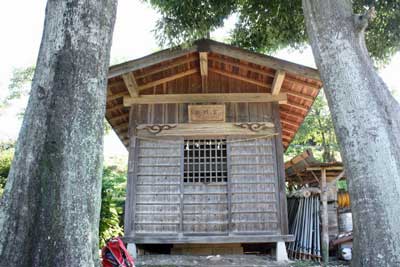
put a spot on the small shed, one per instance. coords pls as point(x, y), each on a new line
point(206, 127)
point(304, 172)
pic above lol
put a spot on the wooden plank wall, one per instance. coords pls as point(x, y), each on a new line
point(159, 204)
point(205, 208)
point(157, 208)
point(253, 181)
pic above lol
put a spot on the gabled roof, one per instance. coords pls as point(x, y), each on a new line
point(305, 169)
point(152, 72)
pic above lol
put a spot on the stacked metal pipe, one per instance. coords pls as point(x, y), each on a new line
point(304, 224)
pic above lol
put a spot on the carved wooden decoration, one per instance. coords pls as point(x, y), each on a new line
point(254, 126)
point(158, 128)
point(206, 113)
point(205, 129)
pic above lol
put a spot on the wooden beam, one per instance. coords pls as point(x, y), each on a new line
point(291, 115)
point(297, 106)
point(263, 60)
point(203, 129)
point(121, 126)
point(168, 79)
point(149, 60)
point(116, 118)
point(203, 63)
point(278, 81)
point(239, 77)
point(130, 82)
point(204, 98)
point(117, 107)
point(303, 96)
point(243, 66)
point(181, 62)
point(219, 48)
point(289, 123)
point(203, 70)
point(303, 83)
point(111, 97)
point(290, 131)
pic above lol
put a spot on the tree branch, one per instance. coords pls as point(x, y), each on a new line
point(361, 21)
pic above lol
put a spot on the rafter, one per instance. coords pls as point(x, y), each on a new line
point(301, 82)
point(111, 97)
point(300, 95)
point(177, 63)
point(242, 66)
point(292, 105)
point(239, 77)
point(121, 126)
point(122, 116)
point(117, 107)
point(290, 115)
point(168, 79)
point(288, 122)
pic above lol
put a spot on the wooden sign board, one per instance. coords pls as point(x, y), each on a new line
point(206, 113)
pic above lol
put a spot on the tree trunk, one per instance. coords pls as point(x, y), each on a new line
point(50, 209)
point(367, 124)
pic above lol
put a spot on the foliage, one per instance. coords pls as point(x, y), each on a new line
point(342, 185)
point(6, 156)
point(191, 19)
point(316, 133)
point(267, 26)
point(112, 202)
point(20, 84)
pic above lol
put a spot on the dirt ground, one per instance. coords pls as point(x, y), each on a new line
point(222, 261)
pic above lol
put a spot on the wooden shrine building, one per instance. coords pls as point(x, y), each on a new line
point(206, 127)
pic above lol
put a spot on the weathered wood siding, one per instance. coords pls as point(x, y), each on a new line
point(253, 182)
point(246, 204)
point(158, 178)
point(205, 208)
point(249, 203)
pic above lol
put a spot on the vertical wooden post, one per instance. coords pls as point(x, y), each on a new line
point(132, 170)
point(324, 219)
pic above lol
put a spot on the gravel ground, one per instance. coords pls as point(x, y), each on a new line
point(222, 261)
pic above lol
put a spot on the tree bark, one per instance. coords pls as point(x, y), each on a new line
point(50, 209)
point(367, 124)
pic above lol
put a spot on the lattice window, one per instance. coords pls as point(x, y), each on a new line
point(205, 161)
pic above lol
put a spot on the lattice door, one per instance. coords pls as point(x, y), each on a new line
point(205, 194)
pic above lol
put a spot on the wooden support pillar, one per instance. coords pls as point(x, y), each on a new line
point(204, 71)
point(131, 85)
point(278, 81)
point(324, 219)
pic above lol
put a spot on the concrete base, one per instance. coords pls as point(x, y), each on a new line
point(281, 254)
point(132, 250)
